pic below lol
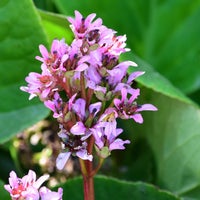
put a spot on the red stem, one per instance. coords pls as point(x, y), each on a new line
point(82, 83)
point(88, 181)
point(88, 176)
point(88, 185)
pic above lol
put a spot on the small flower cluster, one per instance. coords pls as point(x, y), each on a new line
point(87, 88)
point(28, 187)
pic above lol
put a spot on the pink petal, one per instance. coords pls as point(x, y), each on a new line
point(54, 46)
point(135, 93)
point(124, 94)
point(29, 178)
point(118, 144)
point(47, 194)
point(84, 155)
point(40, 181)
point(81, 67)
point(134, 75)
point(147, 107)
point(97, 133)
point(89, 19)
point(62, 160)
point(117, 103)
point(13, 180)
point(43, 51)
point(138, 118)
point(95, 108)
point(78, 129)
point(8, 188)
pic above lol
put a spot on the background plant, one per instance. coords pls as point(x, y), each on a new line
point(164, 34)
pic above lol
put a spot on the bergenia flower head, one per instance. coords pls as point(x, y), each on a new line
point(28, 187)
point(87, 88)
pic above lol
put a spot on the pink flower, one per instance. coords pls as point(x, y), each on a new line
point(28, 188)
point(113, 45)
point(81, 152)
point(118, 72)
point(80, 25)
point(106, 133)
point(128, 108)
point(56, 105)
point(47, 194)
point(73, 145)
point(53, 58)
point(39, 84)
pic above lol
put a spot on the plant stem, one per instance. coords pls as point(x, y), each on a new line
point(87, 173)
point(82, 83)
point(98, 167)
point(88, 180)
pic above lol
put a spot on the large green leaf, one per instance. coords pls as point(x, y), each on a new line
point(56, 26)
point(3, 193)
point(109, 188)
point(172, 132)
point(173, 135)
point(20, 35)
point(164, 33)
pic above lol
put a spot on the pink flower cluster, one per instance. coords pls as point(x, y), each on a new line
point(28, 188)
point(87, 88)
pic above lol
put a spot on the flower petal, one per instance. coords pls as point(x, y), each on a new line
point(84, 155)
point(147, 107)
point(137, 117)
point(118, 144)
point(134, 75)
point(78, 129)
point(62, 160)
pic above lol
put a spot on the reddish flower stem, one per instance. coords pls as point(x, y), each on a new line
point(88, 180)
point(82, 83)
point(87, 173)
point(88, 184)
point(90, 93)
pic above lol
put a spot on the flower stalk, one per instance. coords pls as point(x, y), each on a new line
point(88, 179)
point(88, 182)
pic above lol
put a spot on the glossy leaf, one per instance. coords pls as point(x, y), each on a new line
point(3, 193)
point(56, 26)
point(106, 188)
point(20, 35)
point(172, 132)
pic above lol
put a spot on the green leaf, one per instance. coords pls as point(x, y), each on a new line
point(172, 45)
point(167, 41)
point(56, 26)
point(20, 35)
point(172, 132)
point(107, 188)
point(3, 193)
